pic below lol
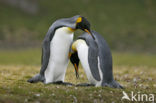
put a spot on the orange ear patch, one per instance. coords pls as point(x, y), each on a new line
point(79, 20)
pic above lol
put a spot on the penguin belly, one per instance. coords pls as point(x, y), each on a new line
point(58, 60)
point(82, 49)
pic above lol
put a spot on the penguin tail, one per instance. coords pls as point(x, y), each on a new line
point(113, 84)
point(36, 78)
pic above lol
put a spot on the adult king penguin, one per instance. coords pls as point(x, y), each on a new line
point(55, 49)
point(96, 60)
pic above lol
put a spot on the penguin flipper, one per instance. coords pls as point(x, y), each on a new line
point(44, 61)
point(93, 60)
point(45, 56)
point(36, 78)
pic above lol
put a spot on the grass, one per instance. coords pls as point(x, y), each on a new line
point(18, 66)
point(15, 89)
point(17, 57)
point(33, 57)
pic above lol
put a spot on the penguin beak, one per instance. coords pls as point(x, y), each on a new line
point(89, 33)
point(76, 70)
point(75, 66)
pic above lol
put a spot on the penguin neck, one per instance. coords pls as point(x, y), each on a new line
point(66, 30)
point(76, 44)
point(63, 36)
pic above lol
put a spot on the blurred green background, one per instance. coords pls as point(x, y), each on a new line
point(127, 25)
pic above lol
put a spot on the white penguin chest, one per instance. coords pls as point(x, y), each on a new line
point(60, 44)
point(83, 56)
point(58, 60)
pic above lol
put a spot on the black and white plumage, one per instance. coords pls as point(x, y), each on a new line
point(96, 59)
point(55, 49)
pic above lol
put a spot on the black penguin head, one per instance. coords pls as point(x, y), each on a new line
point(83, 24)
point(75, 61)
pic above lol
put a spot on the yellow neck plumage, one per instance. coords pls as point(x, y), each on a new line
point(76, 43)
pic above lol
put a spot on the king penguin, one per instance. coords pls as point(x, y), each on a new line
point(96, 59)
point(55, 49)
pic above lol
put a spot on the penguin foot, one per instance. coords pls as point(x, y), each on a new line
point(36, 78)
point(62, 83)
point(113, 84)
point(85, 84)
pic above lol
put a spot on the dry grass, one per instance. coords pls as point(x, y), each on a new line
point(15, 89)
point(135, 71)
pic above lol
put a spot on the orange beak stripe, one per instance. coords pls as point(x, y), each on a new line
point(87, 31)
point(76, 68)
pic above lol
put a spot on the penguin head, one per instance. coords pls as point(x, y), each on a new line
point(79, 22)
point(75, 61)
point(83, 24)
point(74, 23)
